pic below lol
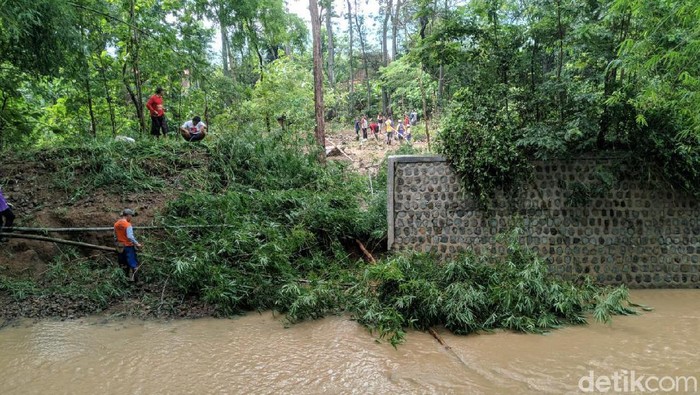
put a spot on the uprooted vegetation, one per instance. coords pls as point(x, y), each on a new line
point(289, 240)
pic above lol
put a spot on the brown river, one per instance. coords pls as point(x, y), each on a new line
point(654, 352)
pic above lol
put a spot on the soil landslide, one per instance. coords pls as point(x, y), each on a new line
point(30, 187)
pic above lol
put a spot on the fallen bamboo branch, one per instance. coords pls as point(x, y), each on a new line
point(308, 282)
point(60, 241)
point(448, 348)
point(162, 294)
point(364, 251)
point(341, 151)
point(111, 229)
point(438, 338)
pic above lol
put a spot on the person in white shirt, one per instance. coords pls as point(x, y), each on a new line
point(193, 130)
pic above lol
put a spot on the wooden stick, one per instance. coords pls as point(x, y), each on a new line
point(46, 230)
point(338, 148)
point(111, 229)
point(364, 251)
point(60, 241)
point(438, 338)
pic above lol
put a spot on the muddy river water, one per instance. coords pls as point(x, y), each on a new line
point(256, 354)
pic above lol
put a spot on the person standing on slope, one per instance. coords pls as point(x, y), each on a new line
point(7, 217)
point(126, 244)
point(155, 107)
point(364, 126)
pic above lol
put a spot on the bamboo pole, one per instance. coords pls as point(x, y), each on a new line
point(46, 230)
point(111, 229)
point(364, 251)
point(60, 241)
point(439, 339)
point(341, 151)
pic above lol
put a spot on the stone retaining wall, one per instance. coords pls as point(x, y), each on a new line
point(640, 235)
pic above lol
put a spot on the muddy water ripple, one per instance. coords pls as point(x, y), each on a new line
point(256, 354)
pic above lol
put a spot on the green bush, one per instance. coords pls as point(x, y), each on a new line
point(478, 293)
point(287, 218)
point(481, 146)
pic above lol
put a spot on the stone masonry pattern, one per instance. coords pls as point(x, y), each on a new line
point(633, 233)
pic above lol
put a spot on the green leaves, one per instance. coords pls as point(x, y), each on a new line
point(478, 293)
point(286, 90)
point(481, 146)
point(289, 222)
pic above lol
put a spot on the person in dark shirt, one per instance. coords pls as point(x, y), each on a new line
point(7, 217)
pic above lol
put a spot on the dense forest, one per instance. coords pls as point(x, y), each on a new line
point(494, 82)
point(553, 77)
point(503, 80)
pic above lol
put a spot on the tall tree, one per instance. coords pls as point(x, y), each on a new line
point(386, 15)
point(359, 24)
point(36, 38)
point(319, 130)
point(351, 96)
point(328, 6)
point(131, 63)
point(395, 25)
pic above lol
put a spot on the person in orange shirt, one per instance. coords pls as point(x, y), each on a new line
point(126, 243)
point(155, 107)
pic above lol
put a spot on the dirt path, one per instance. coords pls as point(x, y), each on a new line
point(366, 156)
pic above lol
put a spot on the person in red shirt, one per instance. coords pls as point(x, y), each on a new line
point(374, 127)
point(155, 107)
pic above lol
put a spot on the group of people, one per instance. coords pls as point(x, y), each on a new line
point(191, 130)
point(399, 130)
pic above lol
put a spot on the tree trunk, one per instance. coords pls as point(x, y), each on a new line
point(331, 47)
point(425, 104)
point(254, 39)
point(108, 96)
point(533, 80)
point(351, 99)
point(364, 58)
point(132, 95)
point(231, 61)
point(560, 65)
point(61, 241)
point(441, 86)
point(385, 53)
point(224, 45)
point(88, 90)
point(395, 29)
point(5, 98)
point(91, 110)
point(86, 75)
point(133, 50)
point(319, 131)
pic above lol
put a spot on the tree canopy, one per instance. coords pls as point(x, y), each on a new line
point(542, 79)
